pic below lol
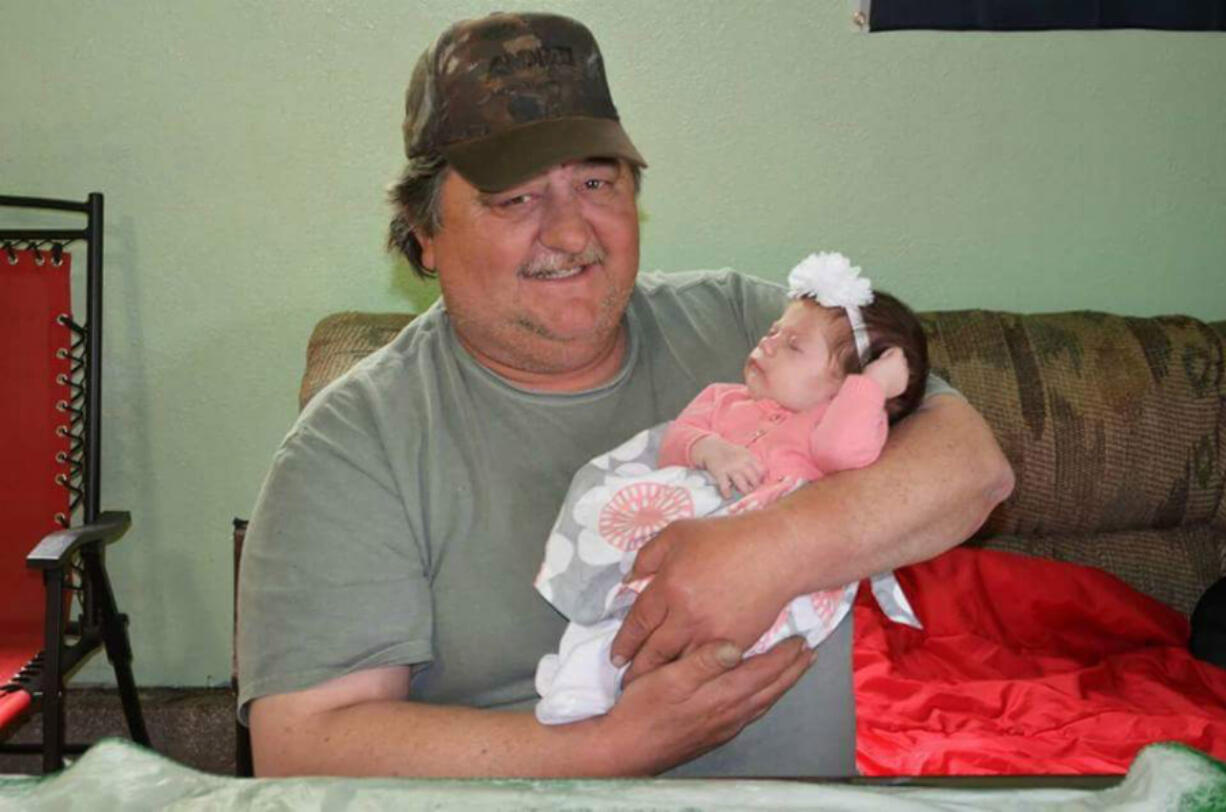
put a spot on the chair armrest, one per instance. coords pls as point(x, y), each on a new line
point(56, 547)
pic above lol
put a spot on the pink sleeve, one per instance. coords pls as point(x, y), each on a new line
point(852, 431)
point(691, 425)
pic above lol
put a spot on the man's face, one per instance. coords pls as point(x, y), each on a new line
point(536, 278)
point(796, 363)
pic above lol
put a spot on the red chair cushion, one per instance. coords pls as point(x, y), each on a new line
point(32, 295)
point(15, 652)
point(12, 705)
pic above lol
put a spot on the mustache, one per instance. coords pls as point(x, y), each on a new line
point(548, 263)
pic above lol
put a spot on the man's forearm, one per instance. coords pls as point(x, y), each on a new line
point(938, 478)
point(400, 738)
point(362, 723)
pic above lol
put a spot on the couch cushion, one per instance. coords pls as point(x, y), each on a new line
point(1110, 422)
point(340, 341)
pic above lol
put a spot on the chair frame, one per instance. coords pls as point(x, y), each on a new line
point(244, 766)
point(99, 623)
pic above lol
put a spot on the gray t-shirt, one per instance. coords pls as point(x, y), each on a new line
point(406, 512)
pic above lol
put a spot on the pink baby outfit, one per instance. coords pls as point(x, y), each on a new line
point(846, 432)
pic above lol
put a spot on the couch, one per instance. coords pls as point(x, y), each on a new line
point(1115, 427)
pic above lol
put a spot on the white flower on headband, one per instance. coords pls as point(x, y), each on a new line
point(830, 278)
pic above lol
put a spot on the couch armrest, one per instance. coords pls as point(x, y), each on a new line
point(1219, 520)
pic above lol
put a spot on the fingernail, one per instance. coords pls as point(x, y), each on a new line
point(618, 661)
point(728, 655)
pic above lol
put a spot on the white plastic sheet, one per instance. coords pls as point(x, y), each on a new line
point(118, 775)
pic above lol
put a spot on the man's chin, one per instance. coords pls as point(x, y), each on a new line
point(565, 333)
point(576, 323)
point(566, 337)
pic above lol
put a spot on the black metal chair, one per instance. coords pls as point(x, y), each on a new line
point(52, 531)
point(243, 765)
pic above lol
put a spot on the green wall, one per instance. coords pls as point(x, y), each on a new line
point(243, 149)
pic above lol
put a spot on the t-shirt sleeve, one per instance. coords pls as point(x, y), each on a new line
point(939, 386)
point(333, 580)
point(761, 303)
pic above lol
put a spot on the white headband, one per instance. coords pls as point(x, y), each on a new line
point(833, 282)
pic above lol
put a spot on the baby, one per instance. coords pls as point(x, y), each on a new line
point(819, 392)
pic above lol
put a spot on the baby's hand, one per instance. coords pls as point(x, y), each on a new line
point(731, 465)
point(889, 370)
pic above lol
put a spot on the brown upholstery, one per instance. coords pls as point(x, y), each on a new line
point(1110, 422)
point(340, 341)
point(1175, 565)
point(1115, 427)
point(1219, 518)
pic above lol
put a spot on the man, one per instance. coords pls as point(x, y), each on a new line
point(388, 623)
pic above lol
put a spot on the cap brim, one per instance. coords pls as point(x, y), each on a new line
point(501, 161)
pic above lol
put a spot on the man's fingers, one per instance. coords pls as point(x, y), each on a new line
point(764, 699)
point(704, 665)
point(649, 558)
point(645, 617)
point(659, 649)
point(760, 672)
point(708, 662)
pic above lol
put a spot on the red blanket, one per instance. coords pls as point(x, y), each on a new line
point(1026, 665)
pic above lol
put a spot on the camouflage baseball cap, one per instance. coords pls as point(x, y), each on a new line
point(505, 97)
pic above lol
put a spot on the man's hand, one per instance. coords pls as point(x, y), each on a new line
point(733, 466)
point(889, 370)
point(681, 711)
point(713, 578)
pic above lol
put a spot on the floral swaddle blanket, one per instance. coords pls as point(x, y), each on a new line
point(616, 504)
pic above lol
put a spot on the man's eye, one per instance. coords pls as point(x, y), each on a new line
point(596, 184)
point(512, 202)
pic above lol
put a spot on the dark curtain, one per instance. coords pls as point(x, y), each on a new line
point(1035, 15)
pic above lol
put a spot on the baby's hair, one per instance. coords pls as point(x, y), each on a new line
point(890, 323)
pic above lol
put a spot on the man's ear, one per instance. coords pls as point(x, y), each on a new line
point(427, 249)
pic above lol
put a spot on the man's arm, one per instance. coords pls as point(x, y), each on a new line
point(938, 478)
point(362, 723)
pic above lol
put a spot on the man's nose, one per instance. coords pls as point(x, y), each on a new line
point(564, 228)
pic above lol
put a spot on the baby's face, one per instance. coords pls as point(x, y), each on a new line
point(795, 363)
